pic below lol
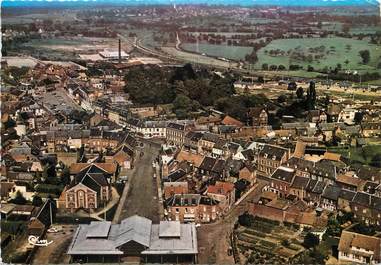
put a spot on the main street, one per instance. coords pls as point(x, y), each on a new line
point(140, 194)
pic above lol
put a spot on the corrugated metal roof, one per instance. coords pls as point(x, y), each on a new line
point(169, 229)
point(185, 244)
point(98, 229)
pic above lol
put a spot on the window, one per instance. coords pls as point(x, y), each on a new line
point(177, 210)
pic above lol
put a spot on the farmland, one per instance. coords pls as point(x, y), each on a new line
point(229, 52)
point(328, 53)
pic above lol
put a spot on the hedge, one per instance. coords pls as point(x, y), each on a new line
point(49, 188)
point(13, 227)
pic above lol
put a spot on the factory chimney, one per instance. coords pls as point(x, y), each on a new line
point(120, 52)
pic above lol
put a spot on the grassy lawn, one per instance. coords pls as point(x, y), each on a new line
point(54, 42)
point(335, 52)
point(229, 52)
point(363, 155)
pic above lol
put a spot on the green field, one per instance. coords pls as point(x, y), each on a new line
point(335, 52)
point(364, 30)
point(229, 52)
point(363, 155)
point(54, 42)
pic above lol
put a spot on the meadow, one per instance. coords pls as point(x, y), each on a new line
point(228, 52)
point(336, 50)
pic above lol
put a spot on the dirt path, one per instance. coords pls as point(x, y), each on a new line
point(213, 239)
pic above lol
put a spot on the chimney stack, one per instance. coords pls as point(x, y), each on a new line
point(120, 51)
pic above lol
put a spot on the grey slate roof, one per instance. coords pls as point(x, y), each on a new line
point(273, 152)
point(331, 192)
point(283, 174)
point(300, 182)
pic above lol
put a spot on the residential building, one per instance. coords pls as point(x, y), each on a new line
point(270, 158)
point(192, 208)
point(358, 248)
point(223, 192)
point(258, 117)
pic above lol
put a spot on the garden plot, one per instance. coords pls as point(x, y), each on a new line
point(267, 242)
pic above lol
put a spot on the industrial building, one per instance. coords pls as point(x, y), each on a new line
point(135, 239)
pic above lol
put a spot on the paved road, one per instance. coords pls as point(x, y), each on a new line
point(142, 198)
point(213, 239)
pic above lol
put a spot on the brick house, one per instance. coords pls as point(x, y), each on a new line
point(270, 158)
point(223, 192)
point(192, 208)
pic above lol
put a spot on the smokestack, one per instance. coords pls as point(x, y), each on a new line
point(120, 51)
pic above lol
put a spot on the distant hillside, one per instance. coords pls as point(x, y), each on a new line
point(79, 3)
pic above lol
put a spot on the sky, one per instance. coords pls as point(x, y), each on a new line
point(63, 3)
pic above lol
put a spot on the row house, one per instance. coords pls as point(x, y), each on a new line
point(314, 190)
point(322, 170)
point(281, 180)
point(330, 197)
point(349, 182)
point(153, 129)
point(270, 158)
point(207, 142)
point(248, 173)
point(191, 140)
point(212, 167)
point(366, 208)
point(299, 187)
point(175, 133)
point(192, 208)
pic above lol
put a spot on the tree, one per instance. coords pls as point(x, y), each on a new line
point(318, 256)
point(333, 227)
point(246, 219)
point(182, 105)
point(282, 98)
point(65, 176)
point(376, 161)
point(261, 80)
point(365, 56)
point(358, 117)
point(310, 68)
point(311, 96)
point(265, 66)
point(19, 198)
point(311, 240)
point(37, 201)
point(9, 123)
point(240, 186)
point(300, 92)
